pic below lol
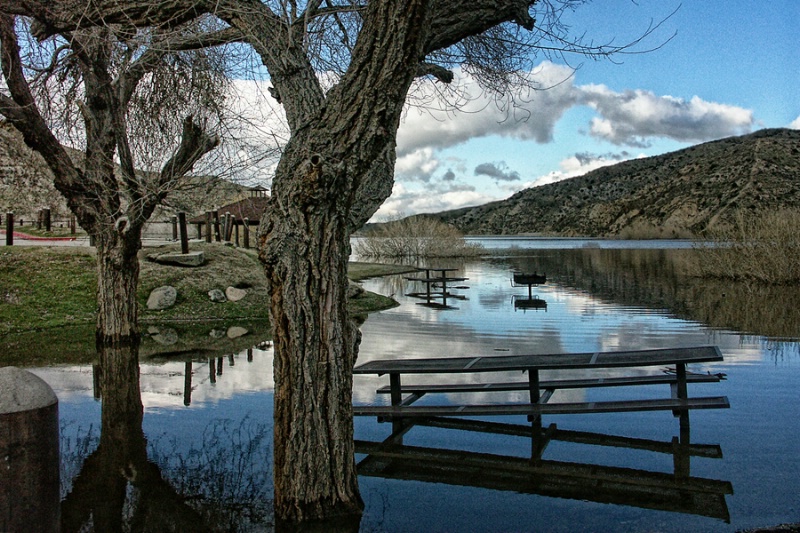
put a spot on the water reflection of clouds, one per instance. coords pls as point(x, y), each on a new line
point(163, 384)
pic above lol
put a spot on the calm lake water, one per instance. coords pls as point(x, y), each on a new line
point(207, 423)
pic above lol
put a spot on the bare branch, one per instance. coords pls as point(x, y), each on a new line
point(22, 112)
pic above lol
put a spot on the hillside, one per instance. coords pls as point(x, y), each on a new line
point(26, 185)
point(671, 195)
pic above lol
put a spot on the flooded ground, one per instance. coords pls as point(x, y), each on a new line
point(207, 422)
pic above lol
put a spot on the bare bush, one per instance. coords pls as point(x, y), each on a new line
point(757, 247)
point(415, 237)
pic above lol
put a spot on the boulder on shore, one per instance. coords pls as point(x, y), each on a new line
point(217, 296)
point(162, 298)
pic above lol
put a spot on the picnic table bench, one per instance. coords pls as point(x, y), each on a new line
point(541, 391)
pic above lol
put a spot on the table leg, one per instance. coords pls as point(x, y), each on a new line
point(397, 398)
point(680, 391)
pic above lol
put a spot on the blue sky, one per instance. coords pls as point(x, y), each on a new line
point(732, 67)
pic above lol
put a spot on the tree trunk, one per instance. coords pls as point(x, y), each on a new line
point(305, 253)
point(117, 279)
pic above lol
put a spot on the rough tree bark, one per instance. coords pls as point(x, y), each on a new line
point(305, 247)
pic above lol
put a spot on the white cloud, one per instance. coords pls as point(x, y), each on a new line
point(441, 197)
point(577, 165)
point(443, 123)
point(795, 124)
point(633, 117)
point(417, 165)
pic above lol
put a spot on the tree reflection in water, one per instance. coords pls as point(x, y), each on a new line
point(224, 485)
point(662, 279)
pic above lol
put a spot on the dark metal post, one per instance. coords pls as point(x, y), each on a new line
point(29, 446)
point(9, 229)
point(184, 233)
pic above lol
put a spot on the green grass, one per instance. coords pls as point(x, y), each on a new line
point(42, 288)
point(48, 302)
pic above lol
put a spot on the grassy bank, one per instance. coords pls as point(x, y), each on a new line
point(47, 302)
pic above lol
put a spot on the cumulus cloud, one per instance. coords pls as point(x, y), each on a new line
point(529, 116)
point(406, 200)
point(417, 165)
point(497, 171)
point(795, 124)
point(633, 117)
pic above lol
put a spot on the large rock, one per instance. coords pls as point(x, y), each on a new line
point(162, 298)
point(234, 332)
point(192, 259)
point(234, 295)
point(217, 296)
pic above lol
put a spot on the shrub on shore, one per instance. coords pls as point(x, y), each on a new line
point(757, 247)
point(415, 237)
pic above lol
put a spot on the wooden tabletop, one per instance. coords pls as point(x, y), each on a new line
point(437, 365)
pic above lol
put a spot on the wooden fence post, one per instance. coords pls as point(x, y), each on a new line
point(184, 233)
point(226, 234)
point(236, 231)
point(174, 220)
point(246, 236)
point(9, 229)
point(217, 236)
point(72, 224)
point(208, 226)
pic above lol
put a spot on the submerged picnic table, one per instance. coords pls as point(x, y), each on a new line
point(541, 391)
point(436, 276)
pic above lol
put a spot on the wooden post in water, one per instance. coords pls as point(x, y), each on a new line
point(187, 383)
point(246, 231)
point(184, 233)
point(29, 448)
point(9, 229)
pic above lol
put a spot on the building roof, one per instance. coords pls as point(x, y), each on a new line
point(251, 208)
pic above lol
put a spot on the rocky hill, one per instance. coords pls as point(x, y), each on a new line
point(671, 195)
point(26, 184)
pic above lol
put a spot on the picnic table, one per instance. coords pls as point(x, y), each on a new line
point(404, 396)
point(434, 276)
point(677, 491)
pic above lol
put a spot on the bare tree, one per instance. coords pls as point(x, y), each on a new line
point(335, 172)
point(100, 75)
